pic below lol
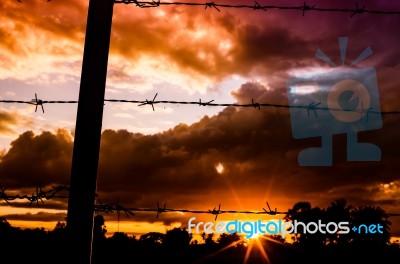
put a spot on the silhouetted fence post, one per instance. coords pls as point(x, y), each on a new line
point(88, 130)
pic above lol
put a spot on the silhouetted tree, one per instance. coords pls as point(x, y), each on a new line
point(176, 245)
point(119, 248)
point(59, 233)
point(59, 225)
point(99, 228)
point(7, 232)
point(227, 239)
point(208, 238)
point(177, 239)
point(368, 215)
point(152, 239)
point(4, 224)
point(303, 212)
point(99, 238)
point(277, 238)
point(338, 211)
point(150, 246)
point(121, 236)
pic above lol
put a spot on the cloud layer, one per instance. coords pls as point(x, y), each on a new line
point(255, 147)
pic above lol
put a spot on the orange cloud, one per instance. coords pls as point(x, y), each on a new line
point(10, 120)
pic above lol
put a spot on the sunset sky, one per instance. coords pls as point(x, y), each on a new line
point(172, 154)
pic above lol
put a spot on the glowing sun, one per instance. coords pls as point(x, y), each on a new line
point(219, 168)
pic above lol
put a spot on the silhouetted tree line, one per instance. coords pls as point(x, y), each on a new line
point(178, 246)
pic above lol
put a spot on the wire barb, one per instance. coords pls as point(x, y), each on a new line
point(160, 210)
point(270, 212)
point(206, 103)
point(312, 107)
point(133, 1)
point(216, 212)
point(307, 8)
point(154, 4)
point(37, 102)
point(3, 195)
point(152, 102)
point(36, 197)
point(358, 10)
point(256, 105)
point(211, 5)
point(257, 6)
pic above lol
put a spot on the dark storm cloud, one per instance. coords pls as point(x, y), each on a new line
point(255, 146)
point(34, 160)
point(40, 216)
point(9, 120)
point(46, 204)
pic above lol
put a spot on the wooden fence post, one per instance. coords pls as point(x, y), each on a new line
point(89, 118)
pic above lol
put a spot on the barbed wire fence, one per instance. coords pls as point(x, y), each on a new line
point(39, 196)
point(311, 107)
point(357, 9)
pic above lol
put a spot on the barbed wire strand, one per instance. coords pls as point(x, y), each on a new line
point(118, 208)
point(37, 196)
point(313, 106)
point(356, 10)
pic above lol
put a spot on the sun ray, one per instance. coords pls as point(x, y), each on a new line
point(229, 185)
point(248, 251)
point(277, 242)
point(268, 188)
point(262, 250)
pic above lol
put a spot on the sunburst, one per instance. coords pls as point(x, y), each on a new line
point(255, 241)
